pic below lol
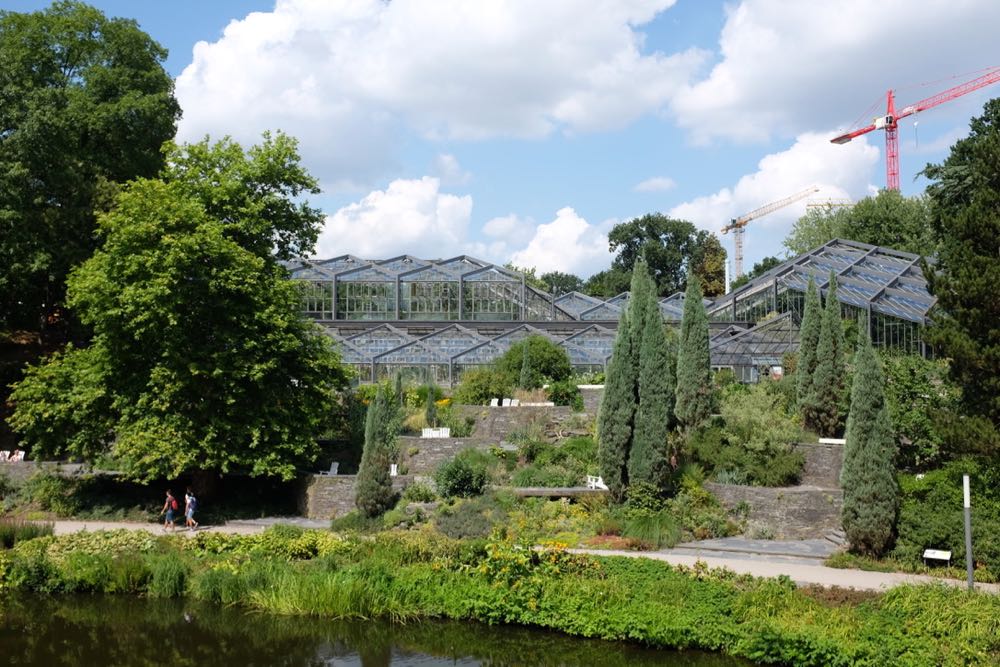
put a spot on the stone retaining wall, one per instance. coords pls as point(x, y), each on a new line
point(791, 512)
point(422, 456)
point(823, 463)
point(18, 472)
point(497, 423)
point(330, 496)
point(592, 399)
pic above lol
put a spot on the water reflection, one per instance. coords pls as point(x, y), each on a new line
point(133, 632)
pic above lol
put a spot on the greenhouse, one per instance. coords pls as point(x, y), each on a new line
point(435, 319)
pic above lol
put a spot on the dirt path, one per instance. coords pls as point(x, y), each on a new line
point(799, 573)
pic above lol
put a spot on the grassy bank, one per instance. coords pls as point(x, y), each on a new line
point(420, 575)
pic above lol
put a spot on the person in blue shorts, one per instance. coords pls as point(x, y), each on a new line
point(190, 505)
point(169, 507)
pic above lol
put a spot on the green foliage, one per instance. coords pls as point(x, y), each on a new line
point(812, 323)
point(654, 417)
point(563, 464)
point(418, 492)
point(566, 392)
point(557, 282)
point(464, 476)
point(470, 518)
point(823, 410)
point(965, 218)
point(461, 426)
point(373, 488)
point(730, 462)
point(617, 411)
point(13, 531)
point(673, 250)
point(758, 420)
point(608, 283)
point(931, 515)
point(168, 576)
point(479, 385)
point(886, 219)
point(871, 494)
point(922, 402)
point(547, 362)
point(200, 358)
point(430, 408)
point(694, 370)
point(87, 105)
point(655, 530)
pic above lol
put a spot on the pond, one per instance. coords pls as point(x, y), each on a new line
point(127, 631)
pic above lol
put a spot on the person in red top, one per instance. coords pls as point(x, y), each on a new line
point(169, 507)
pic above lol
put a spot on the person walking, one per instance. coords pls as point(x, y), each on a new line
point(190, 505)
point(169, 507)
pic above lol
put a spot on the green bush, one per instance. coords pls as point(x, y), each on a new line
point(478, 385)
point(551, 475)
point(548, 362)
point(566, 392)
point(464, 476)
point(168, 576)
point(654, 530)
point(418, 492)
point(469, 518)
point(461, 426)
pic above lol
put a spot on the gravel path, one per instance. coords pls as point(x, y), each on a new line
point(244, 527)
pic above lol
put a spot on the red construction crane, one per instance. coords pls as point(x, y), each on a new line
point(890, 121)
point(737, 225)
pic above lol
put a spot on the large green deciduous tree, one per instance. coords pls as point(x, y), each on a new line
point(373, 491)
point(557, 282)
point(85, 104)
point(871, 494)
point(965, 200)
point(812, 322)
point(672, 249)
point(823, 411)
point(656, 379)
point(886, 219)
point(694, 365)
point(200, 358)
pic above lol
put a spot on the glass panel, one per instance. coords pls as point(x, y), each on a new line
point(366, 301)
point(428, 301)
point(317, 299)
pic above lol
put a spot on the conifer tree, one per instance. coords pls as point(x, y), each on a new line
point(694, 366)
point(812, 320)
point(654, 412)
point(525, 380)
point(430, 407)
point(374, 494)
point(871, 494)
point(823, 407)
point(614, 419)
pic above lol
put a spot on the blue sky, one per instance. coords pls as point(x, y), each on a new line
point(511, 129)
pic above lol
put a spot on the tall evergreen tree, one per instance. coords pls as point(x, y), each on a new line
point(965, 218)
point(823, 406)
point(694, 366)
point(373, 491)
point(812, 319)
point(871, 494)
point(614, 419)
point(525, 380)
point(430, 406)
point(654, 413)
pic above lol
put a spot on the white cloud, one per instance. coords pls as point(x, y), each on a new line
point(839, 172)
point(788, 67)
point(569, 243)
point(512, 228)
point(656, 184)
point(348, 77)
point(447, 168)
point(409, 216)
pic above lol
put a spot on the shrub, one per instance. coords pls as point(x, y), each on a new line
point(469, 518)
point(548, 362)
point(654, 530)
point(461, 426)
point(464, 476)
point(353, 521)
point(566, 393)
point(478, 385)
point(168, 576)
point(545, 476)
point(14, 531)
point(418, 492)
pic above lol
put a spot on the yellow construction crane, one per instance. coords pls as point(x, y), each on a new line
point(829, 203)
point(738, 225)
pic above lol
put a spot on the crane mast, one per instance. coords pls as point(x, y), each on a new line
point(738, 225)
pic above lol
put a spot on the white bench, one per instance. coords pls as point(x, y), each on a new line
point(937, 554)
point(596, 483)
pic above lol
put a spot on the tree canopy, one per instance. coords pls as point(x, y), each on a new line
point(671, 248)
point(965, 198)
point(86, 105)
point(886, 219)
point(200, 358)
point(759, 268)
point(557, 282)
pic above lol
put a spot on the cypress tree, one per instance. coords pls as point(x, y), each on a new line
point(654, 412)
point(525, 381)
point(374, 494)
point(430, 407)
point(694, 366)
point(871, 494)
point(812, 317)
point(823, 409)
